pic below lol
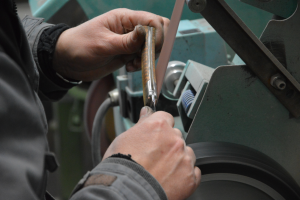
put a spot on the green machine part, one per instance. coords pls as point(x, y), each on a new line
point(254, 18)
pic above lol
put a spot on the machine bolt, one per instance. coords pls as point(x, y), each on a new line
point(196, 6)
point(277, 82)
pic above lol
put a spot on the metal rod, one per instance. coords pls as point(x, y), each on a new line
point(148, 69)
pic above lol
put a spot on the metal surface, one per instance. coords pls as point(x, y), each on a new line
point(231, 171)
point(232, 186)
point(283, 8)
point(238, 108)
point(277, 82)
point(114, 97)
point(195, 77)
point(148, 69)
point(253, 52)
point(196, 6)
point(196, 40)
point(282, 38)
point(174, 70)
point(166, 51)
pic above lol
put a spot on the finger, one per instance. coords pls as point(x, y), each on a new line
point(164, 34)
point(145, 112)
point(131, 18)
point(129, 43)
point(197, 172)
point(129, 67)
point(166, 26)
point(178, 132)
point(191, 154)
point(134, 65)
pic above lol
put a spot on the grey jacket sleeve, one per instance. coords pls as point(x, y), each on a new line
point(118, 179)
point(51, 87)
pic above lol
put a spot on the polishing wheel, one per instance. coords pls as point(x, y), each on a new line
point(231, 171)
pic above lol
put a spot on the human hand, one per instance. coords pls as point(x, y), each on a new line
point(160, 149)
point(104, 44)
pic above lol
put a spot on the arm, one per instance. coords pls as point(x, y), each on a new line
point(165, 170)
point(97, 48)
point(91, 50)
point(42, 38)
point(119, 179)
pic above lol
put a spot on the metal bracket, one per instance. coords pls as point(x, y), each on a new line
point(253, 52)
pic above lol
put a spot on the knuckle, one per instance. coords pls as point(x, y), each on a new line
point(157, 123)
point(160, 122)
point(190, 150)
point(161, 20)
point(165, 115)
point(187, 160)
point(179, 144)
point(166, 21)
point(177, 131)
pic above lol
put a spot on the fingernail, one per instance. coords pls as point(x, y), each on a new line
point(144, 111)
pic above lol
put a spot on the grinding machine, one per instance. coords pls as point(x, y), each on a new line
point(240, 115)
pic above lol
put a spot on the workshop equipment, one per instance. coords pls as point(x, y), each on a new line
point(240, 106)
point(245, 139)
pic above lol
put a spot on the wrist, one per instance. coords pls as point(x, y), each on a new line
point(59, 62)
point(67, 62)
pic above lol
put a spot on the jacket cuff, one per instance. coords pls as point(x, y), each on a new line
point(49, 88)
point(127, 171)
point(34, 27)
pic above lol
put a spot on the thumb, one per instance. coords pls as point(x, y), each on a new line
point(131, 42)
point(145, 112)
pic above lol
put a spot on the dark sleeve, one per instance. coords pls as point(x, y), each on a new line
point(42, 38)
point(118, 179)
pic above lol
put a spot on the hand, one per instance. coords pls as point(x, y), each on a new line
point(104, 44)
point(160, 149)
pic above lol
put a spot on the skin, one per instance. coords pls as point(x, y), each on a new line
point(106, 43)
point(172, 163)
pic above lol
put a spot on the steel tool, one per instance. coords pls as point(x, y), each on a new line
point(148, 69)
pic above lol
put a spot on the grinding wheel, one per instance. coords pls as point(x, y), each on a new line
point(231, 171)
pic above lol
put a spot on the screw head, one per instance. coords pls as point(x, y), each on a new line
point(278, 82)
